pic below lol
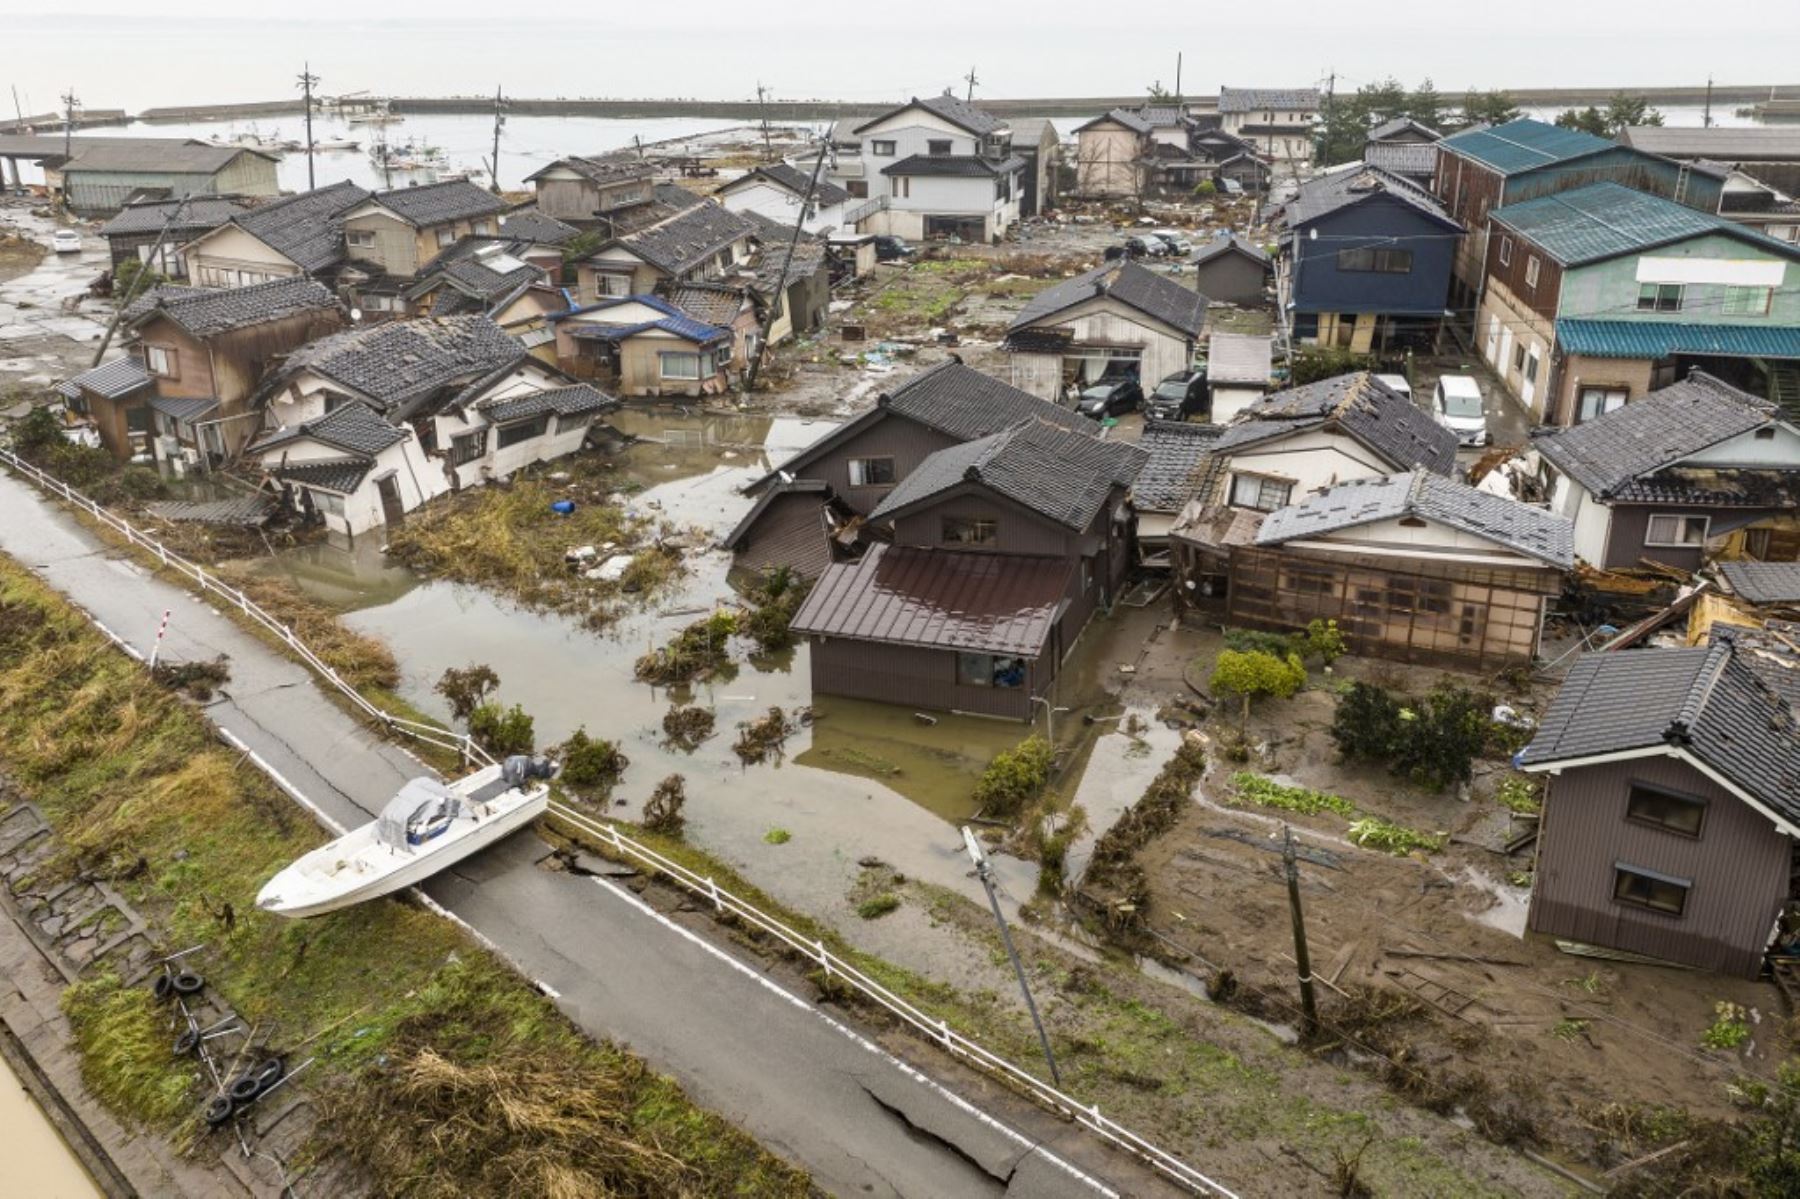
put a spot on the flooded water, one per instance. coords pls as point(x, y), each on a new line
point(38, 1162)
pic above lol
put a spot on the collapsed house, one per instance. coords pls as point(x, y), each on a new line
point(1119, 319)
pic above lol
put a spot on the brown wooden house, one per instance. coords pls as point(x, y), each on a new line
point(1671, 809)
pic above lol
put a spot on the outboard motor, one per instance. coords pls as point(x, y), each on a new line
point(521, 768)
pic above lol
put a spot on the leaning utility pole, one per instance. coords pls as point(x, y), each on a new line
point(984, 870)
point(1177, 81)
point(752, 367)
point(69, 103)
point(762, 107)
point(499, 120)
point(307, 82)
point(121, 303)
point(1706, 121)
point(970, 98)
point(1302, 960)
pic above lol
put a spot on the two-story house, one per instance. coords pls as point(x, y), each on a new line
point(1481, 169)
point(1678, 475)
point(391, 236)
point(196, 356)
point(1670, 811)
point(135, 232)
point(302, 234)
point(365, 425)
point(1366, 261)
point(1113, 155)
point(776, 190)
point(1598, 295)
point(696, 244)
point(1404, 147)
point(933, 168)
point(1277, 121)
point(1118, 319)
point(586, 192)
point(1001, 551)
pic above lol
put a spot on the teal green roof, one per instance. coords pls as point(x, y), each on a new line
point(1659, 339)
point(1525, 145)
point(1605, 220)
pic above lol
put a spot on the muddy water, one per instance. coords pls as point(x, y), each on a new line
point(38, 1162)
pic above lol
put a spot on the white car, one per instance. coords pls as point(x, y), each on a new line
point(66, 241)
point(1397, 384)
point(1456, 402)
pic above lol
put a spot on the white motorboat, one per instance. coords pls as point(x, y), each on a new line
point(336, 143)
point(429, 825)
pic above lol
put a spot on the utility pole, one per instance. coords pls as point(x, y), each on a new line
point(1308, 1008)
point(762, 107)
point(307, 81)
point(387, 161)
point(1177, 81)
point(787, 263)
point(1706, 122)
point(970, 98)
point(16, 109)
point(1330, 99)
point(141, 278)
point(69, 103)
point(499, 120)
point(985, 872)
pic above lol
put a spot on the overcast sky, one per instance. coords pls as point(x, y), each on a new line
point(204, 50)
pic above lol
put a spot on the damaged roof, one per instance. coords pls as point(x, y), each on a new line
point(679, 243)
point(306, 228)
point(604, 169)
point(439, 203)
point(947, 107)
point(1534, 532)
point(342, 475)
point(399, 365)
point(1359, 183)
point(794, 181)
point(1060, 473)
point(530, 225)
point(1763, 582)
point(1361, 405)
point(1610, 451)
point(354, 428)
point(712, 303)
point(1156, 296)
point(1701, 703)
point(806, 260)
point(671, 320)
point(114, 379)
point(208, 311)
point(1173, 473)
point(196, 212)
point(577, 399)
point(939, 599)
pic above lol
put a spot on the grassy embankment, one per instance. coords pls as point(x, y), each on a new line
point(440, 1072)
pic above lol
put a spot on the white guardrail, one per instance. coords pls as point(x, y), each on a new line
point(938, 1031)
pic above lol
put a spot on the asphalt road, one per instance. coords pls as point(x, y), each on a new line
point(803, 1082)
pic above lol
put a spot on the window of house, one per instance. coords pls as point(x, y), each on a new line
point(1668, 530)
point(160, 361)
point(990, 670)
point(1383, 261)
point(612, 285)
point(726, 258)
point(871, 472)
point(1531, 270)
point(1747, 301)
point(138, 419)
point(1531, 365)
point(359, 238)
point(858, 189)
point(1259, 493)
point(722, 356)
point(967, 530)
point(1518, 356)
point(1647, 889)
point(903, 187)
point(1665, 809)
point(568, 423)
point(326, 502)
point(1766, 433)
point(1505, 251)
point(881, 149)
point(938, 146)
point(679, 365)
point(446, 237)
point(1660, 297)
point(1598, 401)
point(467, 447)
point(523, 430)
point(482, 228)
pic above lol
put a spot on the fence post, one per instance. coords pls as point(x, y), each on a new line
point(824, 959)
point(243, 600)
point(712, 889)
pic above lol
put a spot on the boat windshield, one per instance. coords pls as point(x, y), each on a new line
point(423, 810)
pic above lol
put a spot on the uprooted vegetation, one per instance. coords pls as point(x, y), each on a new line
point(763, 738)
point(685, 727)
point(1115, 887)
point(699, 651)
point(365, 663)
point(197, 680)
point(662, 811)
point(774, 600)
point(136, 789)
point(590, 765)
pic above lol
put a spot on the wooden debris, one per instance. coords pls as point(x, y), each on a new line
point(1581, 949)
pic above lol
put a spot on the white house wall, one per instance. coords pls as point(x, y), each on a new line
point(1428, 537)
point(1228, 401)
point(1312, 460)
point(1746, 449)
point(779, 204)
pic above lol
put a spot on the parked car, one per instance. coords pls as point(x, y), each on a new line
point(1397, 383)
point(889, 248)
point(1145, 246)
point(66, 241)
point(1177, 244)
point(1110, 397)
point(1181, 395)
point(1456, 402)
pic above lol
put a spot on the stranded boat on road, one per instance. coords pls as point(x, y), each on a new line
point(429, 825)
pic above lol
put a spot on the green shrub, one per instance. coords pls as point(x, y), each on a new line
point(875, 907)
point(133, 278)
point(1266, 792)
point(1313, 363)
point(590, 763)
point(1250, 674)
point(1321, 640)
point(1367, 724)
point(1729, 1029)
point(1015, 777)
point(1520, 793)
point(1433, 742)
point(467, 688)
point(1205, 188)
point(694, 652)
point(502, 731)
point(662, 811)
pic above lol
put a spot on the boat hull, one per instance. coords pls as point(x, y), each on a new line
point(310, 898)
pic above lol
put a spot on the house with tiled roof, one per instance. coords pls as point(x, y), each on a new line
point(361, 427)
point(996, 554)
point(695, 244)
point(933, 168)
point(585, 191)
point(1278, 121)
point(1597, 295)
point(1365, 262)
point(498, 278)
point(1671, 806)
point(1232, 269)
point(302, 234)
point(1119, 319)
point(777, 189)
point(1694, 470)
point(204, 351)
point(644, 345)
point(392, 236)
point(132, 235)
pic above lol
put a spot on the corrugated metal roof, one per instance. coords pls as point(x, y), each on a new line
point(195, 212)
point(941, 599)
point(1659, 339)
point(1605, 220)
point(1239, 358)
point(1524, 145)
point(1724, 143)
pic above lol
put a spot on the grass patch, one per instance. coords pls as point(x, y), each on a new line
point(1266, 792)
point(778, 836)
point(123, 1039)
point(877, 906)
point(1520, 793)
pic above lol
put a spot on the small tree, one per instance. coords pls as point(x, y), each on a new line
point(1015, 777)
point(502, 731)
point(133, 278)
point(662, 811)
point(467, 688)
point(1253, 673)
point(590, 763)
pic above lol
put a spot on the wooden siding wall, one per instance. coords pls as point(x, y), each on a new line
point(1018, 530)
point(1454, 615)
point(1543, 298)
point(790, 532)
point(1739, 866)
point(907, 442)
point(1232, 279)
point(918, 677)
point(1469, 191)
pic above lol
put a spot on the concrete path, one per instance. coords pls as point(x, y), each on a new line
point(807, 1085)
point(48, 328)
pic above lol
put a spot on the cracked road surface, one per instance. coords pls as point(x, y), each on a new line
point(802, 1081)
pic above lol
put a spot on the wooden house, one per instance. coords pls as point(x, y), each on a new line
point(1231, 269)
point(644, 346)
point(1278, 121)
point(295, 235)
point(100, 175)
point(133, 234)
point(775, 190)
point(585, 192)
point(694, 245)
point(1118, 319)
point(932, 168)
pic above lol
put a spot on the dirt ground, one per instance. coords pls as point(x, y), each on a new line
point(1577, 1050)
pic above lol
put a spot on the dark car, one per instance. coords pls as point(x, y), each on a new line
point(1110, 397)
point(1147, 246)
point(888, 248)
point(1181, 395)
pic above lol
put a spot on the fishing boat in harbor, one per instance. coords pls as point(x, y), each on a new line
point(333, 144)
point(428, 826)
point(376, 115)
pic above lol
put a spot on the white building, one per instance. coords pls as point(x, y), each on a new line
point(776, 190)
point(1277, 121)
point(932, 168)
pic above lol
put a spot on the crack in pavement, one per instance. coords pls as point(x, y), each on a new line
point(997, 1183)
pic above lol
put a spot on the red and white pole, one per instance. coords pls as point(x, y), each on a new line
point(156, 649)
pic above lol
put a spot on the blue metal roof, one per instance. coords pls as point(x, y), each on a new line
point(1657, 339)
point(1605, 220)
point(674, 320)
point(1525, 145)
